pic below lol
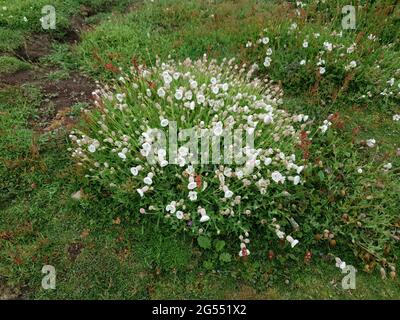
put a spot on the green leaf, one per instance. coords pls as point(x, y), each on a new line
point(204, 242)
point(219, 245)
point(225, 257)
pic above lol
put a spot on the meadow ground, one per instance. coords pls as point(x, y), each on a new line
point(99, 250)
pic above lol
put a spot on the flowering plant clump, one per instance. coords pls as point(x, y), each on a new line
point(203, 198)
point(138, 146)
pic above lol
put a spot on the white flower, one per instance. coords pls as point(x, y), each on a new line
point(92, 148)
point(299, 169)
point(305, 44)
point(267, 161)
point(277, 177)
point(269, 52)
point(164, 122)
point(248, 44)
point(322, 70)
point(178, 94)
point(167, 78)
point(293, 26)
point(396, 117)
point(265, 40)
point(267, 62)
point(179, 215)
point(183, 151)
point(161, 153)
point(141, 192)
point(204, 218)
point(203, 213)
point(171, 207)
point(280, 234)
point(353, 64)
point(163, 163)
point(388, 166)
point(161, 92)
point(225, 87)
point(339, 263)
point(293, 242)
point(302, 62)
point(192, 195)
point(228, 193)
point(218, 128)
point(193, 84)
point(135, 170)
point(328, 46)
point(391, 82)
point(148, 180)
point(192, 185)
point(371, 143)
point(122, 155)
point(359, 170)
point(200, 98)
point(188, 95)
point(120, 97)
point(296, 180)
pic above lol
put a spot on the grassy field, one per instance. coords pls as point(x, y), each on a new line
point(101, 251)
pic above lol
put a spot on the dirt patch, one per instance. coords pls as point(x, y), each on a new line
point(74, 250)
point(35, 47)
point(60, 96)
point(65, 93)
point(17, 78)
point(9, 293)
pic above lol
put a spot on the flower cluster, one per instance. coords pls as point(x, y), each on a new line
point(200, 198)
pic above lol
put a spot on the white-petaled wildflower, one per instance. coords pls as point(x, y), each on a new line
point(277, 177)
point(164, 122)
point(171, 208)
point(396, 117)
point(161, 92)
point(293, 242)
point(371, 143)
point(322, 70)
point(388, 166)
point(122, 155)
point(204, 217)
point(179, 215)
point(267, 62)
point(192, 195)
point(325, 126)
point(135, 170)
point(92, 148)
point(339, 263)
point(305, 44)
point(280, 234)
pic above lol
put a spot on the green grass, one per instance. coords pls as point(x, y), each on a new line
point(39, 220)
point(9, 64)
point(173, 28)
point(10, 39)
